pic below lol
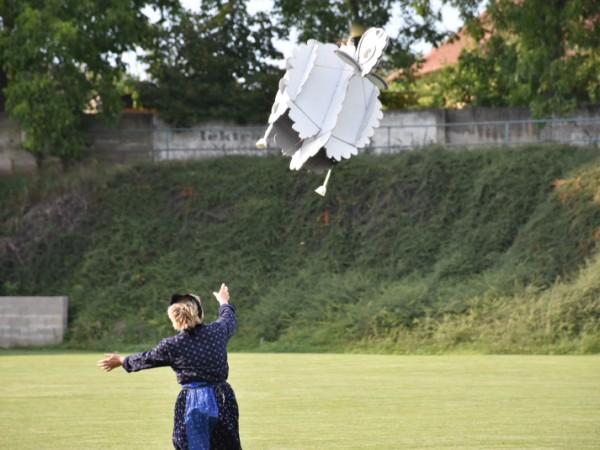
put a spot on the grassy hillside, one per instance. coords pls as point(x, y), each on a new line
point(434, 250)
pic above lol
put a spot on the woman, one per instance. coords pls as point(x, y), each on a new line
point(206, 411)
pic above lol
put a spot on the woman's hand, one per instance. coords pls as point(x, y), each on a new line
point(223, 295)
point(110, 362)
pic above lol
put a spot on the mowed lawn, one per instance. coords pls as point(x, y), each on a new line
point(313, 401)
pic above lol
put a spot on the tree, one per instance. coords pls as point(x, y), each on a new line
point(336, 20)
point(61, 57)
point(213, 65)
point(543, 54)
point(549, 52)
point(8, 12)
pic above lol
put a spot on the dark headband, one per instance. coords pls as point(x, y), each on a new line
point(176, 298)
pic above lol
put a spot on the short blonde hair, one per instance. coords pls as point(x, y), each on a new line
point(184, 315)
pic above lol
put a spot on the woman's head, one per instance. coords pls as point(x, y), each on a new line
point(185, 311)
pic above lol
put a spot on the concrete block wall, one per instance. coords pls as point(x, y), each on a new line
point(144, 136)
point(209, 140)
point(488, 126)
point(131, 140)
point(403, 129)
point(32, 320)
point(13, 157)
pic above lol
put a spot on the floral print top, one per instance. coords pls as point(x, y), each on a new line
point(199, 354)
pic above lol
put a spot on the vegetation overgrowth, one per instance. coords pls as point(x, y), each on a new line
point(428, 251)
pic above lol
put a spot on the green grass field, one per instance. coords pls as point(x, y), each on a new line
point(313, 401)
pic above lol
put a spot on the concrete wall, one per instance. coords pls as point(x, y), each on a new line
point(210, 139)
point(408, 129)
point(131, 140)
point(586, 130)
point(32, 320)
point(13, 158)
point(401, 130)
point(143, 136)
point(496, 126)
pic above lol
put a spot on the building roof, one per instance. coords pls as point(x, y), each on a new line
point(446, 54)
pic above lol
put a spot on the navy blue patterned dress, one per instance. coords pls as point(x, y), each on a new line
point(199, 358)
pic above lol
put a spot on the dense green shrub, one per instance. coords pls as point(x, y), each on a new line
point(421, 251)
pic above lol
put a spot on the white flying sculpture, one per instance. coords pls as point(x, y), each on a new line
point(327, 106)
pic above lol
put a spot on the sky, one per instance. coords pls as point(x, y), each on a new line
point(450, 22)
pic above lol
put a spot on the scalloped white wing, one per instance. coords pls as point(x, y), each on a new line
point(319, 101)
point(370, 48)
point(298, 69)
point(360, 115)
point(332, 111)
point(301, 65)
point(282, 101)
point(371, 119)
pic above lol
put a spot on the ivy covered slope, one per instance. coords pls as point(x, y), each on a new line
point(433, 250)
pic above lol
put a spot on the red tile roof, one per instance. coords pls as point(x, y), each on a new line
point(446, 54)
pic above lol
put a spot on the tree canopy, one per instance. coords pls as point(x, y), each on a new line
point(218, 63)
point(62, 57)
point(213, 65)
point(542, 54)
point(335, 20)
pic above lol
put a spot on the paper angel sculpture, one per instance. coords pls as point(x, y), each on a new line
point(327, 106)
